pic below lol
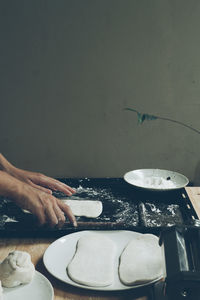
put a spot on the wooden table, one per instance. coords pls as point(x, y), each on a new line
point(37, 247)
point(194, 195)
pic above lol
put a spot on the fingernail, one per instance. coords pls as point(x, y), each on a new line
point(75, 224)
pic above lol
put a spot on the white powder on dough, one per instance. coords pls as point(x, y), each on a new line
point(141, 261)
point(93, 262)
point(82, 208)
point(85, 208)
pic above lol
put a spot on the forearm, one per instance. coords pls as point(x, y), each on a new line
point(5, 165)
point(10, 186)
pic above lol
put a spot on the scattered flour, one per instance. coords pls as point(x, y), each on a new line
point(155, 182)
point(8, 219)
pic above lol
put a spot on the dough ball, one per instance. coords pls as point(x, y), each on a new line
point(16, 269)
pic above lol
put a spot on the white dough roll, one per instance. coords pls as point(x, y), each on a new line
point(93, 262)
point(82, 208)
point(85, 208)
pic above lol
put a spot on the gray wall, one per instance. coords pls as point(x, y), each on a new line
point(69, 67)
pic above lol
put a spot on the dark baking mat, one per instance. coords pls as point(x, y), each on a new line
point(124, 207)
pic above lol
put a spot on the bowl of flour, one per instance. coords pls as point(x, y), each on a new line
point(156, 179)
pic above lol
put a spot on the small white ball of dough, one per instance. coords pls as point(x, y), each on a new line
point(16, 269)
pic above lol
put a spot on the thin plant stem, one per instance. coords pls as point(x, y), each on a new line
point(180, 123)
point(153, 117)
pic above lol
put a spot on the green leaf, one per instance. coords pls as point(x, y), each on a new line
point(147, 117)
point(142, 117)
point(150, 117)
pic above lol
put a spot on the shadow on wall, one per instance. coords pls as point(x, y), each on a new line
point(196, 180)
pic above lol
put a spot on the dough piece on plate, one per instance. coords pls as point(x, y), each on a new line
point(16, 269)
point(93, 262)
point(141, 260)
point(85, 208)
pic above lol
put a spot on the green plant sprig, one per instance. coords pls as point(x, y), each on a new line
point(147, 117)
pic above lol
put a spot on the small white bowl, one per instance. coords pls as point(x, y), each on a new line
point(156, 179)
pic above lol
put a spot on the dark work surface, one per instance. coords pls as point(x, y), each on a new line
point(124, 207)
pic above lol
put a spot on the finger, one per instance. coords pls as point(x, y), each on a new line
point(72, 190)
point(60, 216)
point(61, 220)
point(51, 216)
point(40, 215)
point(53, 184)
point(41, 188)
point(67, 210)
point(60, 186)
point(64, 189)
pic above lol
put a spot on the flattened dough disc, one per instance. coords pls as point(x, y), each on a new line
point(93, 262)
point(141, 260)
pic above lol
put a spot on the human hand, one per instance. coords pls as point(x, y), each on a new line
point(41, 181)
point(37, 180)
point(46, 207)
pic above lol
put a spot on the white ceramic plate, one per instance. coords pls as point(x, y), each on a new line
point(58, 255)
point(39, 288)
point(156, 179)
